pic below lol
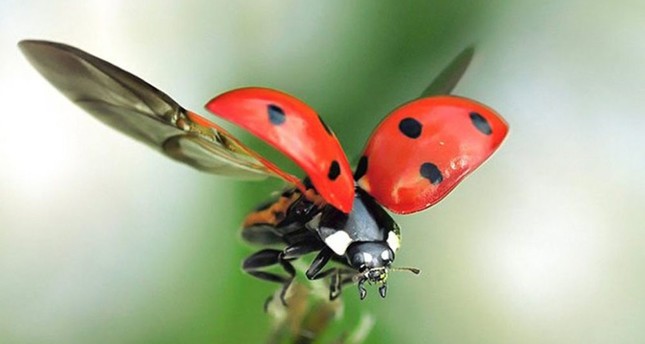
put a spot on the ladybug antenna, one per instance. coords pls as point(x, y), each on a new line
point(412, 270)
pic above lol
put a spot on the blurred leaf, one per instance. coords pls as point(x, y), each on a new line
point(309, 316)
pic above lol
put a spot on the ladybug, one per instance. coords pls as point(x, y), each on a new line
point(414, 158)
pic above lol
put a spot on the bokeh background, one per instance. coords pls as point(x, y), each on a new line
point(102, 240)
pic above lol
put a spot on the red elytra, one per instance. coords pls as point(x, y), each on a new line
point(296, 130)
point(423, 149)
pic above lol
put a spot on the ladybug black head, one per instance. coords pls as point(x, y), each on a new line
point(366, 256)
point(372, 260)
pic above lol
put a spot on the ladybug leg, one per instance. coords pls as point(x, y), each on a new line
point(265, 258)
point(340, 278)
point(269, 257)
point(319, 263)
point(300, 249)
point(361, 288)
point(335, 287)
point(261, 234)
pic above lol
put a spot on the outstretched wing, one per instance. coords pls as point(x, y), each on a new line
point(446, 81)
point(139, 110)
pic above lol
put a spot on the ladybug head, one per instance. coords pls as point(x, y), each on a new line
point(366, 256)
point(372, 260)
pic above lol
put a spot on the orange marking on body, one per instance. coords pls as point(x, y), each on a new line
point(315, 198)
point(273, 214)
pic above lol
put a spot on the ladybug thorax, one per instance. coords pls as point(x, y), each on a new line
point(367, 237)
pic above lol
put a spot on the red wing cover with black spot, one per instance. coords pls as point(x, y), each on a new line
point(296, 130)
point(423, 149)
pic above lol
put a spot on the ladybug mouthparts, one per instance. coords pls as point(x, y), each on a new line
point(378, 275)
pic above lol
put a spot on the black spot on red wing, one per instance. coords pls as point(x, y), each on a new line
point(276, 114)
point(327, 129)
point(361, 169)
point(480, 123)
point(410, 127)
point(430, 172)
point(334, 170)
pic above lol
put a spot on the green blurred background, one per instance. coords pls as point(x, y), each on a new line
point(103, 240)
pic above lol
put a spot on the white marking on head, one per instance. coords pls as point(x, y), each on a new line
point(385, 255)
point(393, 241)
point(338, 242)
point(367, 257)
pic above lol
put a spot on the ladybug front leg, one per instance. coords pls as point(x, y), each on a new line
point(335, 283)
point(339, 277)
point(265, 258)
point(319, 263)
point(300, 249)
point(269, 257)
